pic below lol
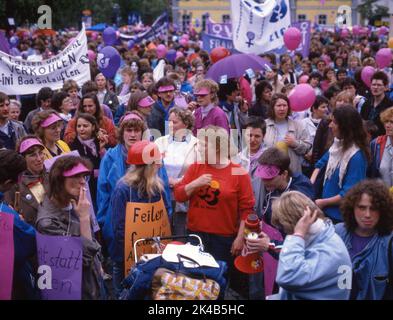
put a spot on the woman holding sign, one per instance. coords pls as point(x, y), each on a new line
point(138, 207)
point(66, 212)
point(48, 125)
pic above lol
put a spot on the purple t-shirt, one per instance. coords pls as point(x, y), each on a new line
point(358, 244)
point(215, 117)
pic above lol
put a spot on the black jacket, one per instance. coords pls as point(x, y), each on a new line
point(370, 113)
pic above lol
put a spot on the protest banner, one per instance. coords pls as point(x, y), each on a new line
point(18, 76)
point(143, 220)
point(48, 165)
point(210, 42)
point(223, 30)
point(159, 29)
point(60, 267)
point(259, 27)
point(6, 255)
point(305, 29)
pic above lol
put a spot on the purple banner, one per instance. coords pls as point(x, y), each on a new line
point(6, 255)
point(48, 164)
point(305, 29)
point(223, 30)
point(60, 267)
point(210, 42)
point(4, 46)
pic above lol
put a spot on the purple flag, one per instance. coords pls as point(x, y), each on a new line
point(305, 29)
point(223, 30)
point(60, 267)
point(6, 255)
point(4, 45)
point(269, 263)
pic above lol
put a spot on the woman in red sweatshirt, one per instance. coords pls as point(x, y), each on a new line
point(220, 195)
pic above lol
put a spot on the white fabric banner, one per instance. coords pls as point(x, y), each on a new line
point(19, 77)
point(259, 27)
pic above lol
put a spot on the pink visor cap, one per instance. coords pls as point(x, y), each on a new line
point(146, 102)
point(50, 120)
point(267, 172)
point(201, 91)
point(28, 143)
point(166, 88)
point(131, 116)
point(78, 169)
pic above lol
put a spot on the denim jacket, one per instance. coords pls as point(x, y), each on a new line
point(137, 285)
point(370, 266)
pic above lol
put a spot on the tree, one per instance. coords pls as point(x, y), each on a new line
point(370, 10)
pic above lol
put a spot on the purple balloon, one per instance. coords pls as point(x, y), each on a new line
point(130, 44)
point(356, 30)
point(367, 74)
point(384, 58)
point(110, 36)
point(14, 40)
point(108, 61)
point(171, 55)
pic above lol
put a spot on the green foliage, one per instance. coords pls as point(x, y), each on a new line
point(66, 13)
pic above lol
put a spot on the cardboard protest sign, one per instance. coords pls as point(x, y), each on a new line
point(143, 220)
point(60, 267)
point(48, 164)
point(18, 76)
point(6, 255)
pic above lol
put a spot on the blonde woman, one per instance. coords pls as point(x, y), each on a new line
point(207, 111)
point(179, 151)
point(47, 125)
point(141, 183)
point(312, 254)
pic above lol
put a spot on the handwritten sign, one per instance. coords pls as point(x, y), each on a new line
point(20, 76)
point(6, 255)
point(49, 163)
point(143, 220)
point(60, 267)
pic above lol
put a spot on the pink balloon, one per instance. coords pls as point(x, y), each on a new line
point(179, 54)
point(92, 55)
point(383, 31)
point(356, 30)
point(94, 36)
point(185, 36)
point(161, 51)
point(384, 58)
point(344, 33)
point(304, 78)
point(367, 74)
point(301, 97)
point(292, 38)
point(183, 42)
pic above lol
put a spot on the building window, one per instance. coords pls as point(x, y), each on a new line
point(322, 19)
point(301, 17)
point(226, 18)
point(186, 21)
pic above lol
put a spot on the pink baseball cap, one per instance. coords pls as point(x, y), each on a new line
point(166, 88)
point(79, 168)
point(50, 120)
point(201, 91)
point(28, 143)
point(146, 102)
point(131, 116)
point(267, 172)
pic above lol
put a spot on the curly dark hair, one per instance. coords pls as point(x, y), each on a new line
point(382, 201)
point(351, 128)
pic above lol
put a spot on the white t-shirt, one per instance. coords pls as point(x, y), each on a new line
point(282, 129)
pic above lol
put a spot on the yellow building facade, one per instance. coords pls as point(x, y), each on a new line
point(187, 12)
point(320, 12)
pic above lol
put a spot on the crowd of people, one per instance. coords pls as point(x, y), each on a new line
point(318, 180)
